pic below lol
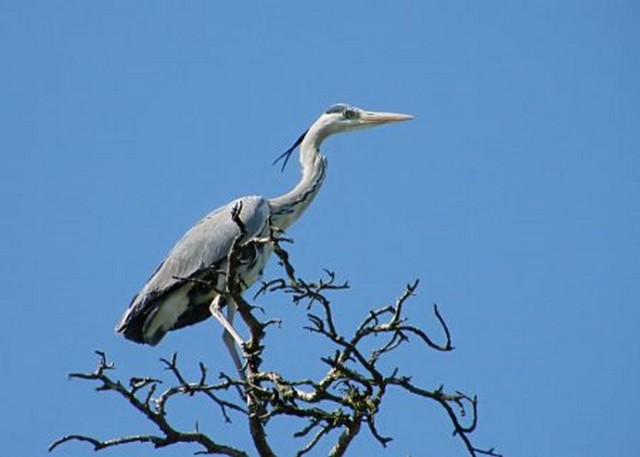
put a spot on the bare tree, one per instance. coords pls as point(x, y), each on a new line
point(346, 399)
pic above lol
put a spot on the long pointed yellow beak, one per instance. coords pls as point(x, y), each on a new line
point(374, 118)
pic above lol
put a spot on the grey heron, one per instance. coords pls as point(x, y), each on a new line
point(177, 294)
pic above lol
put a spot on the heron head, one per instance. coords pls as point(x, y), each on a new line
point(341, 118)
point(345, 118)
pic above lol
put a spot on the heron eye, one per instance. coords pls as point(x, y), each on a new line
point(350, 114)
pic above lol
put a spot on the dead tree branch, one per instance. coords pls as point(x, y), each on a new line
point(348, 395)
point(153, 408)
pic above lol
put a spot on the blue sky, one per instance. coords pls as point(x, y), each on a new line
point(514, 195)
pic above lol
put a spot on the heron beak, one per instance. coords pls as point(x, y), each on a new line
point(373, 118)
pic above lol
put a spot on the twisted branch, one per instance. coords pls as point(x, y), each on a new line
point(348, 395)
point(152, 409)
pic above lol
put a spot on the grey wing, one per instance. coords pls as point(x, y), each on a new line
point(206, 244)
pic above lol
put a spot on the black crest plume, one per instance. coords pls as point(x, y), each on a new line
point(287, 154)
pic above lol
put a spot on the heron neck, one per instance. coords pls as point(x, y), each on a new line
point(286, 209)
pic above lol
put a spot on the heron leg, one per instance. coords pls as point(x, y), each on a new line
point(230, 337)
point(230, 342)
point(214, 308)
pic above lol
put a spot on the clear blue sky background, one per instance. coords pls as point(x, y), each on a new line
point(514, 195)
